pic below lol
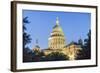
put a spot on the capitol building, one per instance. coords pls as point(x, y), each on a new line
point(58, 43)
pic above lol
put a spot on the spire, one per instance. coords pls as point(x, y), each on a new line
point(36, 41)
point(57, 21)
point(37, 46)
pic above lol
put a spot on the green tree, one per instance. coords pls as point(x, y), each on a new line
point(37, 56)
point(56, 56)
point(85, 53)
point(87, 46)
point(26, 36)
point(80, 42)
point(27, 53)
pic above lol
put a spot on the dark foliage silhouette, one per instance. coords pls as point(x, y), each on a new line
point(27, 53)
point(56, 56)
point(85, 53)
point(87, 46)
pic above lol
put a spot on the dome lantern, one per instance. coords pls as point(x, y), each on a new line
point(57, 21)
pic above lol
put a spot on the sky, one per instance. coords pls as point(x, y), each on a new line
point(75, 25)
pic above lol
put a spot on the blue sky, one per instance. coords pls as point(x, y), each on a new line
point(75, 25)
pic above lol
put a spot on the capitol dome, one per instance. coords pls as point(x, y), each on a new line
point(57, 39)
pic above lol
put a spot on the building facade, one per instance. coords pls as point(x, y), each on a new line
point(57, 43)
